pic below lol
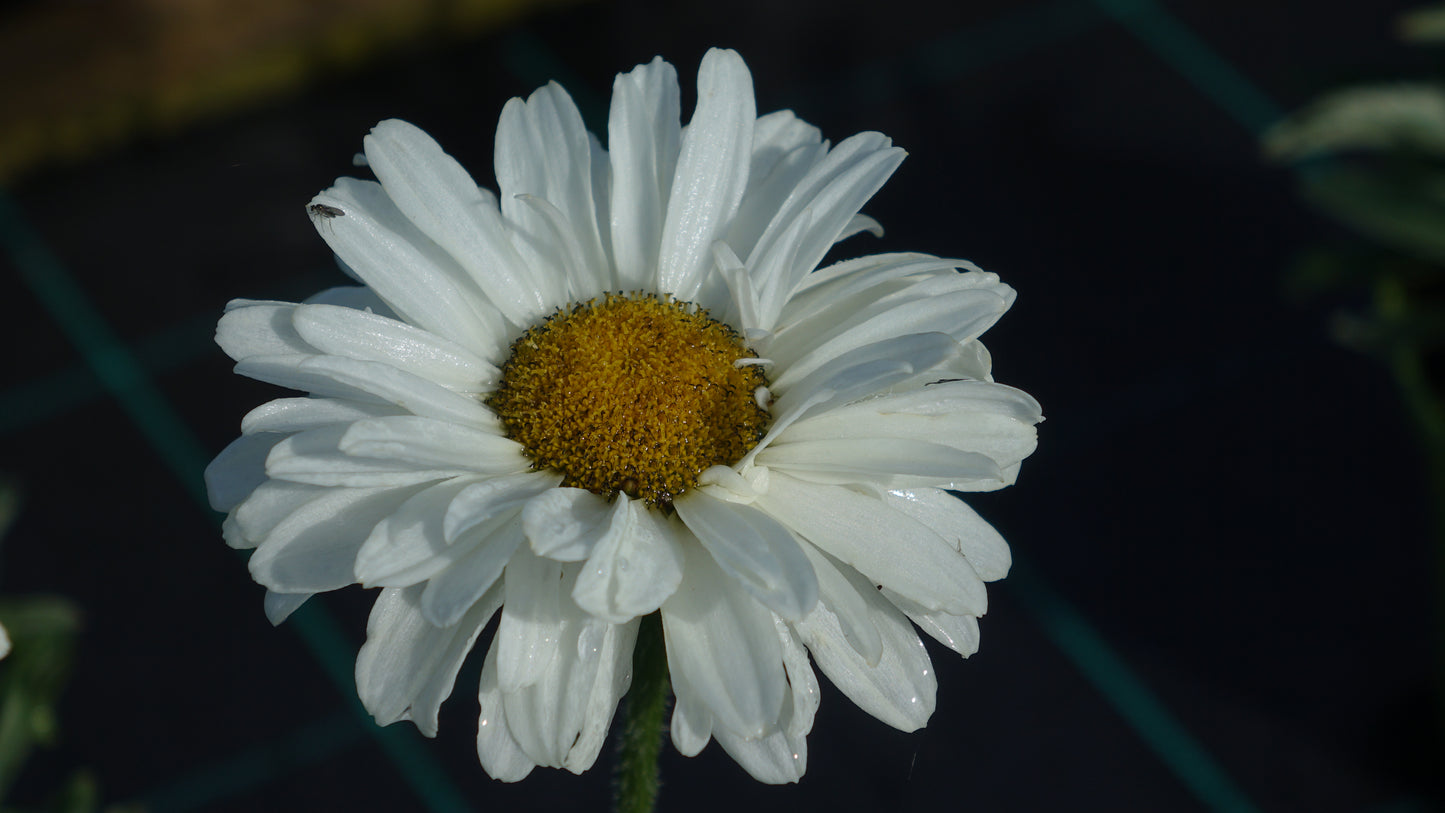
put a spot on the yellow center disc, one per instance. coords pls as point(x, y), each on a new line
point(634, 394)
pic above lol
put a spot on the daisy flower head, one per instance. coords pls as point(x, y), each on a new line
point(623, 386)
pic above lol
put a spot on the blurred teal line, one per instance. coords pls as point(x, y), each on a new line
point(65, 302)
point(1187, 53)
point(45, 398)
point(258, 766)
point(168, 349)
point(1141, 709)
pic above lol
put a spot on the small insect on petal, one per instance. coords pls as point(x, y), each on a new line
point(324, 211)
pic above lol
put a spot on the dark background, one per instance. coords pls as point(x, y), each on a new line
point(1222, 597)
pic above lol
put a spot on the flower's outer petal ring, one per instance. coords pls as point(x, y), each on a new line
point(301, 414)
point(634, 566)
point(480, 559)
point(356, 334)
point(887, 546)
point(420, 281)
point(407, 666)
point(643, 133)
point(501, 756)
point(722, 649)
point(433, 192)
point(957, 632)
point(959, 525)
point(754, 549)
point(238, 470)
point(900, 690)
point(712, 173)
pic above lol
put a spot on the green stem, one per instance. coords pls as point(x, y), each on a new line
point(637, 773)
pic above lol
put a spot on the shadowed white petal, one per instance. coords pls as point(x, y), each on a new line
point(433, 192)
point(480, 556)
point(859, 224)
point(753, 548)
point(959, 525)
point(355, 334)
point(564, 523)
point(501, 757)
point(251, 328)
point(782, 756)
point(691, 724)
point(271, 502)
point(407, 666)
point(371, 381)
point(428, 443)
point(882, 461)
point(841, 588)
point(407, 546)
point(418, 279)
point(280, 606)
point(880, 274)
point(828, 196)
point(561, 721)
point(527, 641)
point(712, 172)
point(314, 549)
point(238, 470)
point(643, 132)
point(479, 503)
point(722, 645)
point(301, 414)
point(973, 416)
point(785, 148)
point(962, 314)
point(900, 689)
point(542, 150)
point(888, 547)
point(957, 632)
point(863, 372)
point(315, 457)
point(634, 567)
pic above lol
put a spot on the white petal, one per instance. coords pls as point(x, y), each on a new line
point(407, 546)
point(315, 457)
point(416, 278)
point(259, 329)
point(888, 547)
point(407, 666)
point(480, 557)
point(238, 470)
point(428, 443)
point(722, 645)
point(501, 757)
point(280, 606)
point(830, 195)
point(865, 371)
point(842, 588)
point(973, 416)
point(301, 414)
point(271, 502)
point(957, 632)
point(959, 525)
point(691, 724)
point(542, 150)
point(900, 689)
point(314, 549)
point(355, 334)
point(883, 461)
point(634, 566)
point(437, 194)
point(351, 379)
point(712, 172)
point(643, 132)
point(562, 720)
point(782, 756)
point(753, 548)
point(785, 148)
point(356, 297)
point(564, 523)
point(962, 314)
point(527, 641)
point(481, 502)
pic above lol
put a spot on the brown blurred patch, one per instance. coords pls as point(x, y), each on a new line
point(78, 78)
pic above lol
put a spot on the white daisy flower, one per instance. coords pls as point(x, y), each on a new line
point(621, 387)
